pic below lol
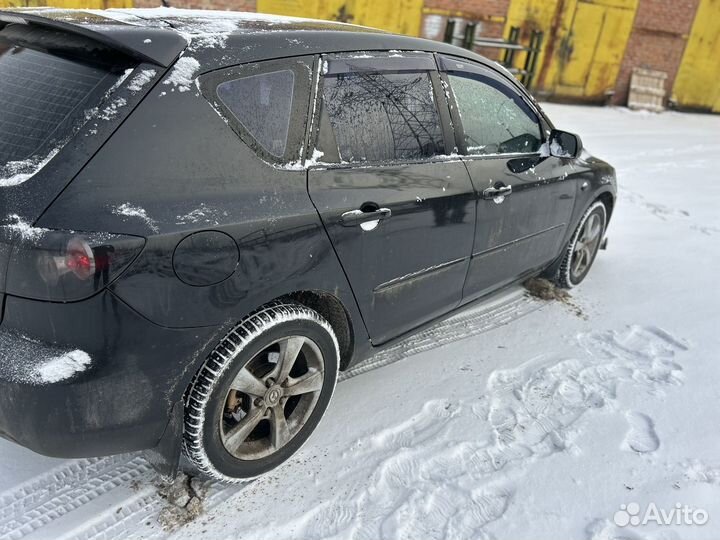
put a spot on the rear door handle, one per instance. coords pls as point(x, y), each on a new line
point(491, 193)
point(368, 219)
point(358, 217)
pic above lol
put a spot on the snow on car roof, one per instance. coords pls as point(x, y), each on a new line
point(154, 33)
point(159, 35)
point(208, 21)
point(190, 21)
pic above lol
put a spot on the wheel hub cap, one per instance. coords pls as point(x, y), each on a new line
point(273, 395)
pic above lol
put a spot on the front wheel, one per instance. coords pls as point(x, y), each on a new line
point(261, 392)
point(583, 247)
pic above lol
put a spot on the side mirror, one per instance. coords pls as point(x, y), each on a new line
point(564, 144)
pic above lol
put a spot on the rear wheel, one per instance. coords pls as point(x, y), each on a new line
point(583, 247)
point(261, 392)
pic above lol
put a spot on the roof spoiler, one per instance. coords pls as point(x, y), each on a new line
point(144, 44)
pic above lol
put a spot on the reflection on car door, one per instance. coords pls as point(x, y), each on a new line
point(525, 198)
point(400, 214)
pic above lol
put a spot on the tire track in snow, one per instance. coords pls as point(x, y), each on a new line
point(53, 496)
point(468, 323)
point(116, 497)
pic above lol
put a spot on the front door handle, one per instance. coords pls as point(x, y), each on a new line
point(362, 218)
point(494, 192)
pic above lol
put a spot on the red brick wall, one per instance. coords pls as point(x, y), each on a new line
point(657, 41)
point(489, 14)
point(477, 7)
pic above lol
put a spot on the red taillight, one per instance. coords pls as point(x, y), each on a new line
point(67, 266)
point(79, 258)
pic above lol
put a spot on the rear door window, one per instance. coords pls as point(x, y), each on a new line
point(43, 99)
point(379, 109)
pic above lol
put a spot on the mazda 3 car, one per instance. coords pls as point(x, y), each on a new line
point(205, 216)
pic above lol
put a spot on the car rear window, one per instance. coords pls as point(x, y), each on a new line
point(263, 105)
point(43, 97)
point(382, 116)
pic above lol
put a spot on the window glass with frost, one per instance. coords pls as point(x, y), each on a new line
point(381, 116)
point(494, 119)
point(43, 99)
point(263, 105)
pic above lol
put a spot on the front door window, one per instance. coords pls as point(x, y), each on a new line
point(495, 120)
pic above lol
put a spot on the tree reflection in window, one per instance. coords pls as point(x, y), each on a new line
point(383, 116)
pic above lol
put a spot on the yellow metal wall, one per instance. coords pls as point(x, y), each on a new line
point(298, 8)
point(531, 15)
point(698, 81)
point(401, 16)
point(83, 4)
point(584, 42)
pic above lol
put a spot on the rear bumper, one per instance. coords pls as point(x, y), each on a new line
point(91, 378)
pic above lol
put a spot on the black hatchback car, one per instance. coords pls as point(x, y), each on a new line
point(205, 216)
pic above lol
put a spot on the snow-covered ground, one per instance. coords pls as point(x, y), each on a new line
point(516, 419)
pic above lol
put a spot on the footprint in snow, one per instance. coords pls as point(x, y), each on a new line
point(641, 436)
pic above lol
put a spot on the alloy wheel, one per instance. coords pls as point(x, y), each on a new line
point(586, 246)
point(272, 397)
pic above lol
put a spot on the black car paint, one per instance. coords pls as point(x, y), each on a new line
point(400, 283)
point(122, 403)
point(511, 236)
point(155, 45)
point(149, 331)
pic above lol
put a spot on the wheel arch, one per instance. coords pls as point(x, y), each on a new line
point(165, 456)
point(331, 308)
point(608, 199)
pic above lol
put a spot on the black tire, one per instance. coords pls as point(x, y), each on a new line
point(568, 275)
point(247, 348)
